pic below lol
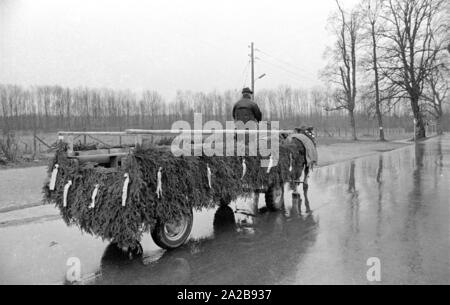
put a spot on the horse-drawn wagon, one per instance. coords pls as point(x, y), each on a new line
point(120, 193)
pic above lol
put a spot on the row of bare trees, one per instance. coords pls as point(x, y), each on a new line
point(387, 51)
point(52, 108)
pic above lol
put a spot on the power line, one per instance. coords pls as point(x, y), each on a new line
point(291, 71)
point(288, 75)
point(299, 77)
point(285, 63)
point(281, 60)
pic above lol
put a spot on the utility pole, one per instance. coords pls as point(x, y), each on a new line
point(252, 61)
point(252, 56)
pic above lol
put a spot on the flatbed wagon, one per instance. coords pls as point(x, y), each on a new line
point(120, 193)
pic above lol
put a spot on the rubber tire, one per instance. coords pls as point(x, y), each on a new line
point(275, 197)
point(160, 239)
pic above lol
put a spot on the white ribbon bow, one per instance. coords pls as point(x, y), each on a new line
point(159, 183)
point(66, 191)
point(270, 164)
point(53, 177)
point(244, 168)
point(208, 174)
point(94, 196)
point(125, 189)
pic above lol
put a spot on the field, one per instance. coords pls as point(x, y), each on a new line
point(45, 140)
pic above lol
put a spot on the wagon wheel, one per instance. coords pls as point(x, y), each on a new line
point(173, 234)
point(275, 197)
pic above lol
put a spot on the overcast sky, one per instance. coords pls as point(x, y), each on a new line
point(197, 45)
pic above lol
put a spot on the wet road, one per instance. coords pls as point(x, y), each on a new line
point(394, 206)
point(12, 194)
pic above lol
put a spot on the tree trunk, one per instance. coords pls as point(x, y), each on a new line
point(439, 129)
point(420, 132)
point(381, 132)
point(353, 124)
point(377, 108)
point(420, 128)
point(377, 87)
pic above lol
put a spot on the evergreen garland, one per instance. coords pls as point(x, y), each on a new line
point(184, 187)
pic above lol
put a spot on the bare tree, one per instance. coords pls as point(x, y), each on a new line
point(410, 26)
point(439, 86)
point(437, 89)
point(446, 22)
point(371, 10)
point(342, 68)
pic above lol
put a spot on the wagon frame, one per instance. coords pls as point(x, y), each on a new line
point(166, 234)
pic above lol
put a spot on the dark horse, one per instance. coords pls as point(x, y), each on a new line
point(309, 132)
point(274, 194)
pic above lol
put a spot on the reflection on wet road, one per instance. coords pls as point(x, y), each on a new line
point(394, 206)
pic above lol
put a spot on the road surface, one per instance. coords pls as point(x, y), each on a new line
point(393, 207)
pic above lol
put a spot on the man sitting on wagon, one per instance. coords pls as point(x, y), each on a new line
point(246, 114)
point(246, 109)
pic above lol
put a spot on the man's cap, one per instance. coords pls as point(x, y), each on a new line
point(247, 90)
